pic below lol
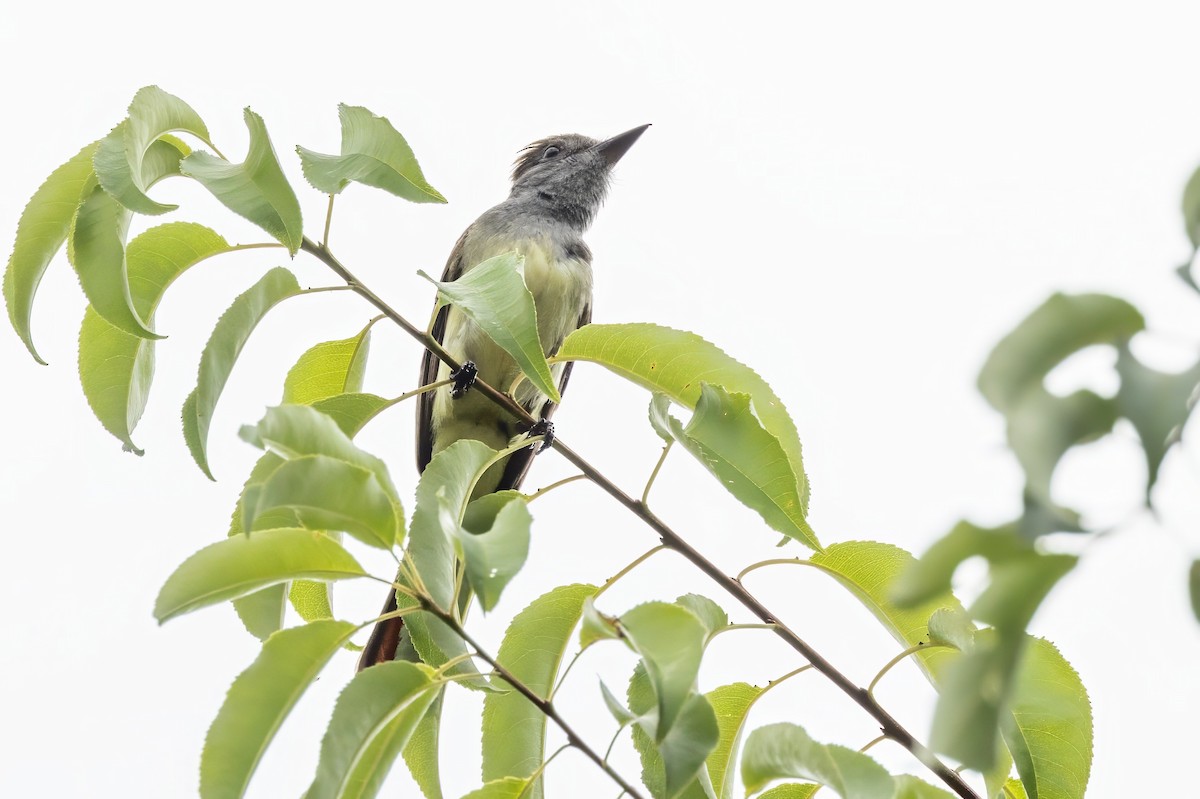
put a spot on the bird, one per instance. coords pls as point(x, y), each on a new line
point(558, 185)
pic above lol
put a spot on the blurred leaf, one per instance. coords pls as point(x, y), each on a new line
point(973, 693)
point(909, 787)
point(41, 231)
point(728, 439)
point(96, 243)
point(330, 494)
point(1016, 587)
point(493, 294)
point(494, 537)
point(1061, 326)
point(116, 368)
point(620, 713)
point(373, 153)
point(1194, 587)
point(1042, 427)
point(1049, 729)
point(514, 730)
point(258, 702)
point(675, 362)
point(119, 161)
point(781, 751)
point(236, 566)
point(504, 788)
point(872, 572)
point(670, 640)
point(1158, 404)
point(421, 753)
point(262, 611)
point(374, 717)
point(930, 575)
point(1191, 208)
point(256, 188)
point(230, 335)
point(328, 369)
point(731, 704)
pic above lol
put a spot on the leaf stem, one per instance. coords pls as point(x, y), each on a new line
point(544, 705)
point(554, 485)
point(729, 627)
point(770, 562)
point(670, 539)
point(328, 220)
point(912, 650)
point(872, 742)
point(654, 474)
point(320, 289)
point(563, 677)
point(537, 773)
point(633, 564)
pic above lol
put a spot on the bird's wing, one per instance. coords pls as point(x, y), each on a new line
point(430, 362)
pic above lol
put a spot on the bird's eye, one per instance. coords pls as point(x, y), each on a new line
point(551, 152)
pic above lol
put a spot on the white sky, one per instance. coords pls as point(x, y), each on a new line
point(856, 199)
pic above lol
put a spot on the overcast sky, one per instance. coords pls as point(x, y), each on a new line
point(856, 199)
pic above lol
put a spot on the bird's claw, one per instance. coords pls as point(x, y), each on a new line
point(545, 429)
point(463, 377)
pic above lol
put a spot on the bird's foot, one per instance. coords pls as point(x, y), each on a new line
point(545, 429)
point(463, 377)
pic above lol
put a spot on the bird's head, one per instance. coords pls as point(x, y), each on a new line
point(569, 174)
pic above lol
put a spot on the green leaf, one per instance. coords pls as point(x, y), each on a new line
point(596, 626)
point(790, 790)
point(116, 368)
point(1194, 587)
point(675, 362)
point(643, 703)
point(421, 753)
point(41, 231)
point(119, 161)
point(683, 750)
point(711, 615)
point(256, 188)
point(670, 640)
point(373, 153)
point(327, 370)
point(1014, 787)
point(236, 566)
point(221, 352)
point(952, 627)
point(871, 571)
point(1157, 403)
point(372, 721)
point(258, 702)
point(494, 296)
point(780, 751)
point(494, 537)
point(504, 788)
point(728, 439)
point(732, 704)
point(1050, 727)
point(96, 243)
point(262, 611)
point(330, 494)
point(1059, 327)
point(447, 482)
point(514, 730)
point(619, 712)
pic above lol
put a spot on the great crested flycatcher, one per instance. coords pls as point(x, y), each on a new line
point(559, 184)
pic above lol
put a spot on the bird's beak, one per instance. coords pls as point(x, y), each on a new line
point(612, 149)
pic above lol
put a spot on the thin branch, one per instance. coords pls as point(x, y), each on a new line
point(544, 705)
point(670, 539)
